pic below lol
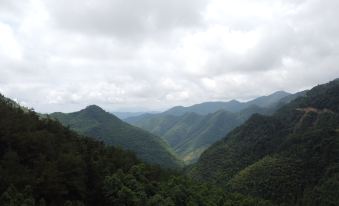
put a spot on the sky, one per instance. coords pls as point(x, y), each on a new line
point(150, 55)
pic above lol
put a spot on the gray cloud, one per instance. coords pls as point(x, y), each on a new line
point(126, 18)
point(150, 55)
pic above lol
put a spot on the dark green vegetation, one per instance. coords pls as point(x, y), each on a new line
point(12, 103)
point(95, 122)
point(44, 163)
point(290, 158)
point(191, 130)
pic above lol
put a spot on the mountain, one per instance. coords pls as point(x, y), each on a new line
point(12, 103)
point(292, 97)
point(204, 133)
point(206, 108)
point(44, 163)
point(125, 115)
point(191, 133)
point(270, 100)
point(231, 106)
point(101, 125)
point(8, 101)
point(289, 158)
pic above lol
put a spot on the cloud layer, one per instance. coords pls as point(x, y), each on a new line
point(151, 54)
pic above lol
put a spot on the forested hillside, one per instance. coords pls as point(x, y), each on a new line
point(95, 122)
point(44, 163)
point(201, 125)
point(290, 158)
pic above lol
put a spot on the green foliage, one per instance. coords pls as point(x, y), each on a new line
point(11, 197)
point(326, 191)
point(95, 122)
point(56, 163)
point(236, 199)
point(43, 163)
point(136, 187)
point(270, 178)
point(290, 158)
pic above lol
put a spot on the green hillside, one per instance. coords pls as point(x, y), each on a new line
point(191, 130)
point(190, 134)
point(95, 122)
point(204, 133)
point(43, 163)
point(290, 158)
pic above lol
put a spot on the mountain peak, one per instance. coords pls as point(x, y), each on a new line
point(281, 92)
point(234, 101)
point(96, 112)
point(94, 108)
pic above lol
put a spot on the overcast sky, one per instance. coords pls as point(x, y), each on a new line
point(129, 55)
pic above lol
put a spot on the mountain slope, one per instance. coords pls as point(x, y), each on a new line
point(44, 163)
point(270, 100)
point(95, 122)
point(191, 133)
point(125, 115)
point(210, 129)
point(12, 103)
point(207, 108)
point(291, 158)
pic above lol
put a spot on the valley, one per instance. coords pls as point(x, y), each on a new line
point(191, 130)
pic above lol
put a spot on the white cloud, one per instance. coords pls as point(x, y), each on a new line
point(151, 54)
point(9, 47)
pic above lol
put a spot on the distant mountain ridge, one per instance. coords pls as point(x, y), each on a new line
point(94, 122)
point(125, 115)
point(231, 106)
point(190, 130)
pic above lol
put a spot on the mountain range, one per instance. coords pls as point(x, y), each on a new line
point(125, 115)
point(191, 130)
point(94, 122)
point(44, 163)
point(231, 106)
point(289, 158)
